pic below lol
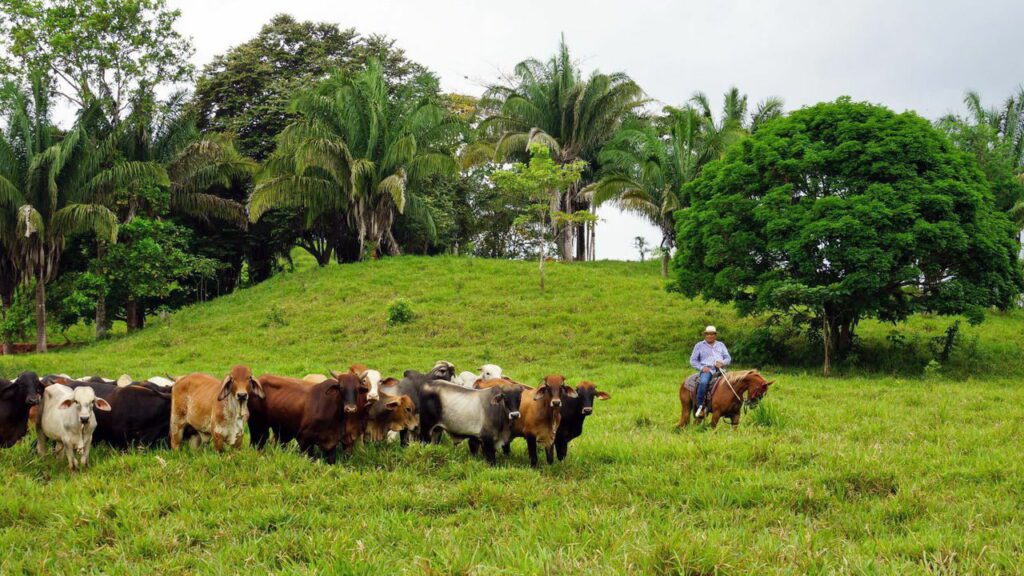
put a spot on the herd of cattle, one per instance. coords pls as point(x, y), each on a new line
point(320, 412)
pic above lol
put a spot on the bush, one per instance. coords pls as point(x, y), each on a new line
point(766, 414)
point(400, 312)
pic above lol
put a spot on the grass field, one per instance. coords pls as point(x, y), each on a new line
point(868, 473)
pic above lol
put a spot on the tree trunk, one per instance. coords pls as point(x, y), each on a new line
point(566, 242)
point(101, 302)
point(40, 316)
point(135, 315)
point(665, 258)
point(102, 324)
point(581, 242)
point(5, 305)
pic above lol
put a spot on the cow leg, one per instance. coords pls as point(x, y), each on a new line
point(474, 446)
point(70, 454)
point(489, 452)
point(218, 442)
point(507, 447)
point(85, 454)
point(403, 438)
point(550, 452)
point(177, 431)
point(562, 448)
point(258, 435)
point(331, 455)
point(531, 447)
point(40, 443)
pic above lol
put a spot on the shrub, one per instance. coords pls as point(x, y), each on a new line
point(400, 312)
point(766, 414)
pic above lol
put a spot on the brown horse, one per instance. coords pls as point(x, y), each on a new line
point(728, 398)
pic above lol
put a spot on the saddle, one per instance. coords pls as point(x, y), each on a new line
point(691, 384)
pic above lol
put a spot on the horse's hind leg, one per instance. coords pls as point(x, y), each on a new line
point(735, 420)
point(684, 401)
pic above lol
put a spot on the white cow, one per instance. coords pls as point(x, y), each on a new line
point(487, 372)
point(161, 381)
point(69, 420)
point(92, 379)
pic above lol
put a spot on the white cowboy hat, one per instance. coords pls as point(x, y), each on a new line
point(710, 330)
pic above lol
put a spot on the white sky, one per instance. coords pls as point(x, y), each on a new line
point(906, 54)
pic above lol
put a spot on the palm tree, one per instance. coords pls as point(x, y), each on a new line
point(355, 159)
point(56, 187)
point(647, 164)
point(550, 103)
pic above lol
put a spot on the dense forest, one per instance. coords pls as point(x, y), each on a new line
point(175, 185)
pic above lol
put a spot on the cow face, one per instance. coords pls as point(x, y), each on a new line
point(443, 371)
point(240, 383)
point(587, 393)
point(27, 385)
point(490, 372)
point(514, 395)
point(369, 382)
point(404, 415)
point(85, 402)
point(351, 387)
point(551, 389)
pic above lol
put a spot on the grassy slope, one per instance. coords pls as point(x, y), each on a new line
point(870, 474)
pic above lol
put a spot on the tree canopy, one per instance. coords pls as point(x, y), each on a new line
point(842, 211)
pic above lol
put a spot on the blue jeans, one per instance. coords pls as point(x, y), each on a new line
point(702, 385)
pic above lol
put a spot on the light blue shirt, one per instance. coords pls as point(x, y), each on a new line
point(705, 354)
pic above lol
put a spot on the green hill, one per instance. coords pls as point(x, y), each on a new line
point(876, 471)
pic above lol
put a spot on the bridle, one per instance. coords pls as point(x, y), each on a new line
point(747, 404)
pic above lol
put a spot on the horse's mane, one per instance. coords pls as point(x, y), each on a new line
point(736, 377)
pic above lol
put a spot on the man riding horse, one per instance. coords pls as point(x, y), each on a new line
point(709, 357)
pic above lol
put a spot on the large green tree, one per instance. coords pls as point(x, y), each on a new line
point(355, 158)
point(843, 211)
point(550, 103)
point(101, 52)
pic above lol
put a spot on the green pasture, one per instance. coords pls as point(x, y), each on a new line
point(883, 469)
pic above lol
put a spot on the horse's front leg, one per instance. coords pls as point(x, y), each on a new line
point(715, 417)
point(735, 419)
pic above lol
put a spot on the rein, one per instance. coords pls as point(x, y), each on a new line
point(744, 404)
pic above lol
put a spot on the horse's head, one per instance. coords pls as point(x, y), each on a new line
point(757, 387)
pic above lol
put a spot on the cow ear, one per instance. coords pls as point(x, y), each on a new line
point(67, 403)
point(225, 388)
point(392, 404)
point(568, 391)
point(6, 389)
point(539, 393)
point(389, 382)
point(604, 396)
point(102, 405)
point(769, 383)
point(498, 399)
point(257, 388)
point(335, 375)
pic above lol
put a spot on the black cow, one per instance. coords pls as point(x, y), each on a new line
point(411, 385)
point(574, 412)
point(140, 414)
point(16, 398)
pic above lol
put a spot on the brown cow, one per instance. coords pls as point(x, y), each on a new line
point(540, 412)
point(390, 414)
point(213, 408)
point(316, 415)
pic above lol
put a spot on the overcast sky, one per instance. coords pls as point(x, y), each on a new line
point(909, 55)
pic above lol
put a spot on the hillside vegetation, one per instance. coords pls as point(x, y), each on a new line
point(880, 471)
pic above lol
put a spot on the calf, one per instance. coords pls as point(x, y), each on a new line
point(390, 414)
point(487, 372)
point(541, 414)
point(16, 399)
point(313, 414)
point(574, 412)
point(140, 413)
point(67, 417)
point(213, 408)
point(483, 416)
